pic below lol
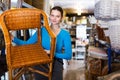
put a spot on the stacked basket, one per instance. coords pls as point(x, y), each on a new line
point(114, 33)
point(107, 10)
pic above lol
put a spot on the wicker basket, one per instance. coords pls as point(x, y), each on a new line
point(94, 66)
point(114, 33)
point(106, 10)
point(97, 67)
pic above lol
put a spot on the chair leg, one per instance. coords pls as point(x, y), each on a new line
point(10, 74)
point(50, 71)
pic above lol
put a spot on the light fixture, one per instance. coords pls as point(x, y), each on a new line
point(78, 8)
point(79, 12)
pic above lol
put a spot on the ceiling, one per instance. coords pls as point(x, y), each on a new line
point(76, 6)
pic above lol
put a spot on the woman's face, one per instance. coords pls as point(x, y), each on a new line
point(55, 17)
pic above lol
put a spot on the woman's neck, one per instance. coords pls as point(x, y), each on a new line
point(55, 29)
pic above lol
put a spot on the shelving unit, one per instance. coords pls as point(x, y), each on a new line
point(81, 49)
point(73, 36)
point(80, 38)
point(88, 30)
point(72, 31)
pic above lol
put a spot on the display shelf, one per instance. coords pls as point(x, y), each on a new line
point(80, 38)
point(73, 36)
point(81, 50)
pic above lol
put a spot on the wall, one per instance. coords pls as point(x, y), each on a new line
point(36, 3)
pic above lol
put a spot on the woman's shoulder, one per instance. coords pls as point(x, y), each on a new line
point(65, 32)
point(43, 28)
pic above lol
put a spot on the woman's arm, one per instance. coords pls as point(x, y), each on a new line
point(67, 54)
point(31, 40)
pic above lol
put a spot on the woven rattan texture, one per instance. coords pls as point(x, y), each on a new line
point(22, 20)
point(95, 66)
point(107, 10)
point(114, 33)
point(24, 57)
point(27, 55)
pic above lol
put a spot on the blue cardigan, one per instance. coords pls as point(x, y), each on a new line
point(63, 40)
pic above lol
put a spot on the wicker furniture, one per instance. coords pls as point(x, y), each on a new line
point(107, 10)
point(26, 56)
point(97, 55)
point(97, 60)
point(101, 37)
point(112, 76)
point(114, 47)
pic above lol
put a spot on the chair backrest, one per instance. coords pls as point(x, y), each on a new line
point(100, 33)
point(22, 19)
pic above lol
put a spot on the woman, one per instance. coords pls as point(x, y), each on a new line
point(63, 41)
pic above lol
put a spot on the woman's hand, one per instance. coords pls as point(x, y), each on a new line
point(12, 37)
point(48, 51)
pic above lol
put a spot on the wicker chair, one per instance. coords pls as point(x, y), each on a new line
point(101, 36)
point(97, 55)
point(24, 57)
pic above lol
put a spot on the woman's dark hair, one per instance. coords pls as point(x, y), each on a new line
point(57, 8)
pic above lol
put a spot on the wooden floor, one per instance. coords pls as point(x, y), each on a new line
point(75, 70)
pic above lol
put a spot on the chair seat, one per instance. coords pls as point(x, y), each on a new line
point(28, 55)
point(96, 52)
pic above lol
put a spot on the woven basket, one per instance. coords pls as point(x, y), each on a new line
point(114, 33)
point(95, 66)
point(106, 10)
point(119, 11)
point(103, 24)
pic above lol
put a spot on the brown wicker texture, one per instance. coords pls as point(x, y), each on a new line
point(25, 56)
point(95, 66)
point(100, 33)
point(97, 59)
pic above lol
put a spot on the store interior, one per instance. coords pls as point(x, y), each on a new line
point(94, 27)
